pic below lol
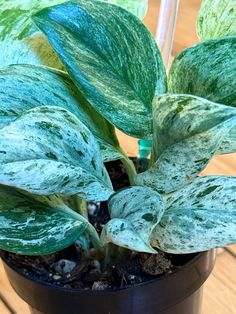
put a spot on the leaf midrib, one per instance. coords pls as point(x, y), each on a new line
point(118, 75)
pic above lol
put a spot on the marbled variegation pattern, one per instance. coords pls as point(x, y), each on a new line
point(206, 70)
point(20, 41)
point(47, 150)
point(32, 228)
point(122, 233)
point(217, 18)
point(229, 144)
point(137, 7)
point(112, 58)
point(188, 131)
point(23, 87)
point(15, 15)
point(140, 210)
point(198, 217)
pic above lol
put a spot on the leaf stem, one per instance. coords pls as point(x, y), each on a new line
point(129, 167)
point(90, 228)
point(114, 254)
point(81, 206)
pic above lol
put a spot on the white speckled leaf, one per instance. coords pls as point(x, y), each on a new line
point(229, 144)
point(23, 87)
point(47, 151)
point(206, 70)
point(32, 228)
point(112, 58)
point(199, 217)
point(188, 131)
point(141, 208)
point(122, 233)
point(217, 18)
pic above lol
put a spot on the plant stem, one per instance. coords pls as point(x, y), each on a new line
point(81, 206)
point(114, 254)
point(90, 228)
point(129, 167)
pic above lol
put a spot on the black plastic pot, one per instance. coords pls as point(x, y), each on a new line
point(176, 293)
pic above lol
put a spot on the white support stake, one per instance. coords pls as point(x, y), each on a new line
point(166, 28)
point(164, 37)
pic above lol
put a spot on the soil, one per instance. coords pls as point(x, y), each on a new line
point(74, 268)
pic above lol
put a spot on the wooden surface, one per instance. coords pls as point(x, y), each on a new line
point(11, 303)
point(219, 291)
point(220, 288)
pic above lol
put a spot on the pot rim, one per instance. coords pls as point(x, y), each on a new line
point(89, 291)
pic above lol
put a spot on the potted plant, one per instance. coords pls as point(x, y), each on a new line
point(57, 130)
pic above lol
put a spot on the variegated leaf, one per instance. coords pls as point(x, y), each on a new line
point(137, 7)
point(117, 68)
point(199, 217)
point(15, 15)
point(135, 212)
point(217, 18)
point(31, 227)
point(206, 70)
point(229, 144)
point(20, 41)
point(122, 233)
point(34, 49)
point(188, 131)
point(23, 87)
point(47, 151)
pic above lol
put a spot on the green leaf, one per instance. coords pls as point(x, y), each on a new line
point(217, 18)
point(31, 227)
point(137, 7)
point(112, 58)
point(206, 70)
point(23, 87)
point(15, 15)
point(188, 131)
point(20, 41)
point(47, 151)
point(135, 212)
point(198, 217)
point(15, 21)
point(34, 49)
